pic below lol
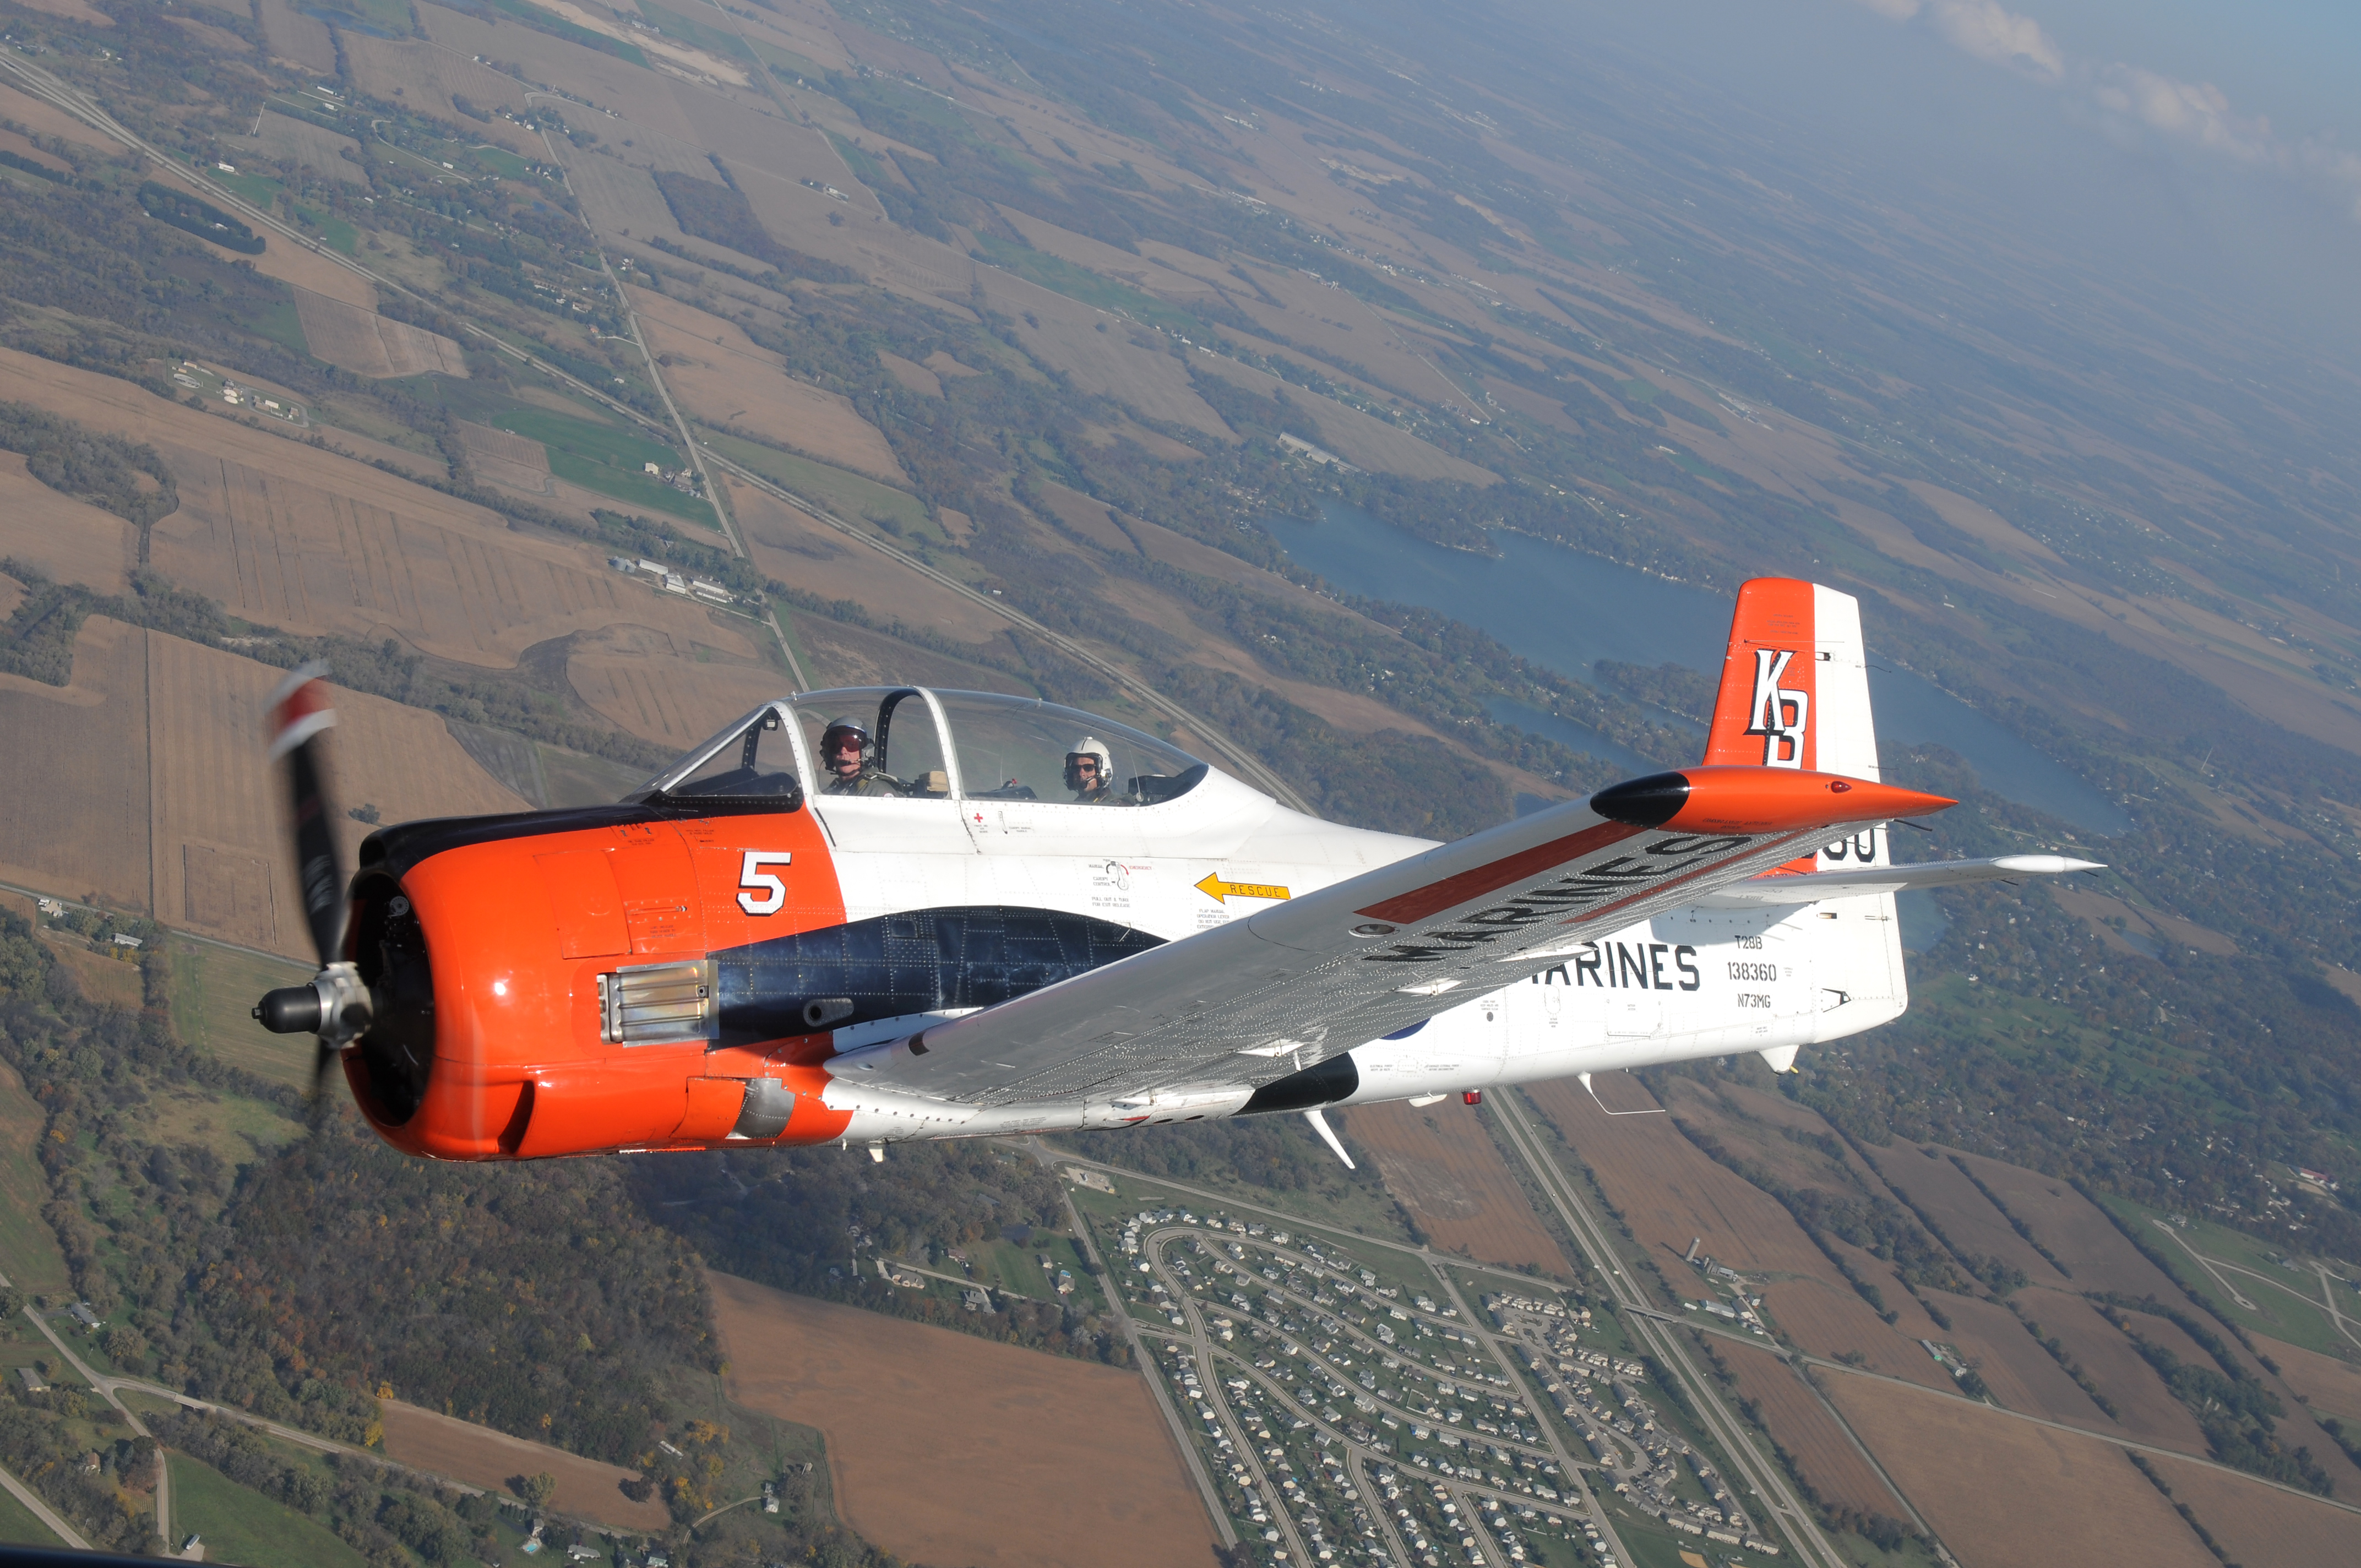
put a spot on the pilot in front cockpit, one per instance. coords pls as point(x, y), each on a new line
point(847, 754)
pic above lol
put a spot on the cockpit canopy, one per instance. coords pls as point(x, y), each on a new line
point(910, 743)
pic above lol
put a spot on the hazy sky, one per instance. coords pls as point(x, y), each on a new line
point(2294, 61)
point(2187, 140)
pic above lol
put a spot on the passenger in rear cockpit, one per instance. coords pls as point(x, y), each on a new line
point(1090, 774)
point(848, 756)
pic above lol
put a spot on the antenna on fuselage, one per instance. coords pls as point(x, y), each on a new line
point(1584, 1079)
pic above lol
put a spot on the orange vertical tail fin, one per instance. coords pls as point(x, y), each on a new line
point(1794, 688)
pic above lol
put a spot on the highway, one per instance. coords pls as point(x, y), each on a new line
point(1763, 1477)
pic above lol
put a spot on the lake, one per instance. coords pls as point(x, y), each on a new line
point(1565, 611)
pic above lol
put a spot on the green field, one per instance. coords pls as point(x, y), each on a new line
point(243, 1526)
point(19, 1527)
point(338, 234)
point(1063, 277)
point(1339, 1200)
point(500, 161)
point(29, 1248)
point(2287, 1302)
point(605, 458)
point(254, 188)
point(389, 17)
point(688, 30)
point(848, 495)
point(213, 990)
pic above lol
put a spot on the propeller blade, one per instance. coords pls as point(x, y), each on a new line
point(328, 1054)
point(298, 714)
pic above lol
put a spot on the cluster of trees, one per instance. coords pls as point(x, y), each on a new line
point(710, 210)
point(817, 1220)
point(1870, 1221)
point(45, 1438)
point(104, 470)
point(392, 1517)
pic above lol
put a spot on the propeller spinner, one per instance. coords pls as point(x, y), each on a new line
point(336, 1004)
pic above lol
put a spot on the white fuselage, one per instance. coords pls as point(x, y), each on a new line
point(1695, 982)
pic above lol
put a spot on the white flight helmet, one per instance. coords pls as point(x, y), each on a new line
point(1091, 747)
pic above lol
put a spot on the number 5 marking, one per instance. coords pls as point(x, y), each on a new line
point(752, 874)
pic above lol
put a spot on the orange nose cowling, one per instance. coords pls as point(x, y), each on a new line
point(518, 936)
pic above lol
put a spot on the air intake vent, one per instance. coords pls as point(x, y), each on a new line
point(645, 1004)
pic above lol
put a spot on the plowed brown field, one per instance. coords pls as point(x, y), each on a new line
point(310, 541)
point(368, 344)
point(2002, 1493)
point(429, 78)
point(814, 557)
point(2021, 1375)
point(1827, 1318)
point(1450, 1176)
point(2144, 1405)
point(1966, 1219)
point(1670, 1193)
point(219, 865)
point(945, 1448)
point(35, 114)
point(2079, 1233)
point(316, 148)
point(72, 541)
point(74, 771)
point(2259, 1526)
point(293, 36)
point(482, 1457)
point(2333, 1387)
point(653, 685)
point(1063, 334)
point(726, 378)
point(1831, 1462)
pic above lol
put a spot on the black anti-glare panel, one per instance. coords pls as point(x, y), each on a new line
point(925, 961)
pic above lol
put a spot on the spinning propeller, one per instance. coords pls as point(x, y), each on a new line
point(336, 1004)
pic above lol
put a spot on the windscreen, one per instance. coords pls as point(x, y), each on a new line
point(878, 742)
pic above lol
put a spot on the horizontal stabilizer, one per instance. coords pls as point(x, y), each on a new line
point(1812, 886)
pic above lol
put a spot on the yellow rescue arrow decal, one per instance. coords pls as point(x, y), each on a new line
point(1221, 892)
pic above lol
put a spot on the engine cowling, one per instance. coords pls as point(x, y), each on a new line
point(534, 984)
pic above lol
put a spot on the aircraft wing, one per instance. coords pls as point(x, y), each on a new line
point(1258, 999)
point(1810, 887)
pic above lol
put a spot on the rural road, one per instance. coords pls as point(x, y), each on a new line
point(40, 1510)
point(106, 1392)
point(1139, 1355)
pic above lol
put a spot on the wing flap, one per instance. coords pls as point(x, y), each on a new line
point(1251, 1001)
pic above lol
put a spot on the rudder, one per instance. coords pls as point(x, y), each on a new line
point(1794, 682)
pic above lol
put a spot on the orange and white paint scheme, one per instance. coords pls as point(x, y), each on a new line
point(883, 914)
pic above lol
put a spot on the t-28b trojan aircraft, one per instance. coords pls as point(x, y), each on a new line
point(862, 916)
